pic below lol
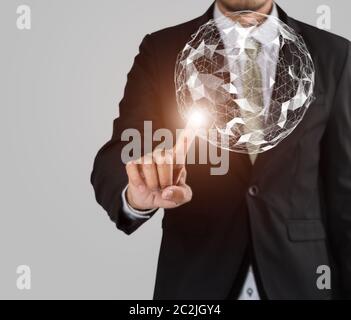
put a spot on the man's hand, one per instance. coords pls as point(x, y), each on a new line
point(155, 181)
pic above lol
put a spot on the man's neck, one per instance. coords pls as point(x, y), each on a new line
point(265, 9)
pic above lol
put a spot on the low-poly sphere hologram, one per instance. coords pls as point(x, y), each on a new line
point(252, 76)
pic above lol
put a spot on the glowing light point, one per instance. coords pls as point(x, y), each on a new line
point(197, 118)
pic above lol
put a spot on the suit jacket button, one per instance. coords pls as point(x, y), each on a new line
point(253, 191)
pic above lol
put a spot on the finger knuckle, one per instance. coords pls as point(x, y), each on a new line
point(148, 167)
point(133, 180)
point(153, 186)
point(129, 164)
point(159, 159)
point(189, 194)
point(147, 160)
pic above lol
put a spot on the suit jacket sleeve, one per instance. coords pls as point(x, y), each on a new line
point(140, 103)
point(336, 170)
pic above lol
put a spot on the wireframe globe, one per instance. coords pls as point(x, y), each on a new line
point(251, 75)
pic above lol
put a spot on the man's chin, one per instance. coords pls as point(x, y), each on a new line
point(242, 5)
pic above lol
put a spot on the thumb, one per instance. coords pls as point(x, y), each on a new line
point(177, 194)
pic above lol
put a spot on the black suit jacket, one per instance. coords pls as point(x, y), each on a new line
point(293, 207)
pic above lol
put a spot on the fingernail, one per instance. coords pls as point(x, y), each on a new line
point(141, 188)
point(168, 194)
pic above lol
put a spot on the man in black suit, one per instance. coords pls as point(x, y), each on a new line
point(265, 226)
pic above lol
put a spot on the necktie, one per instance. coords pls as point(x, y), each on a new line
point(252, 90)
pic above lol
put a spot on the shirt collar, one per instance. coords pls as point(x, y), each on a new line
point(265, 34)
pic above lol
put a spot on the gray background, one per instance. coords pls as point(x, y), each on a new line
point(60, 84)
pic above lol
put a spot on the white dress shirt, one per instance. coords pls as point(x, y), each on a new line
point(265, 34)
point(267, 59)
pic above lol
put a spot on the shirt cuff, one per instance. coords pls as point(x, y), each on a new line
point(131, 212)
